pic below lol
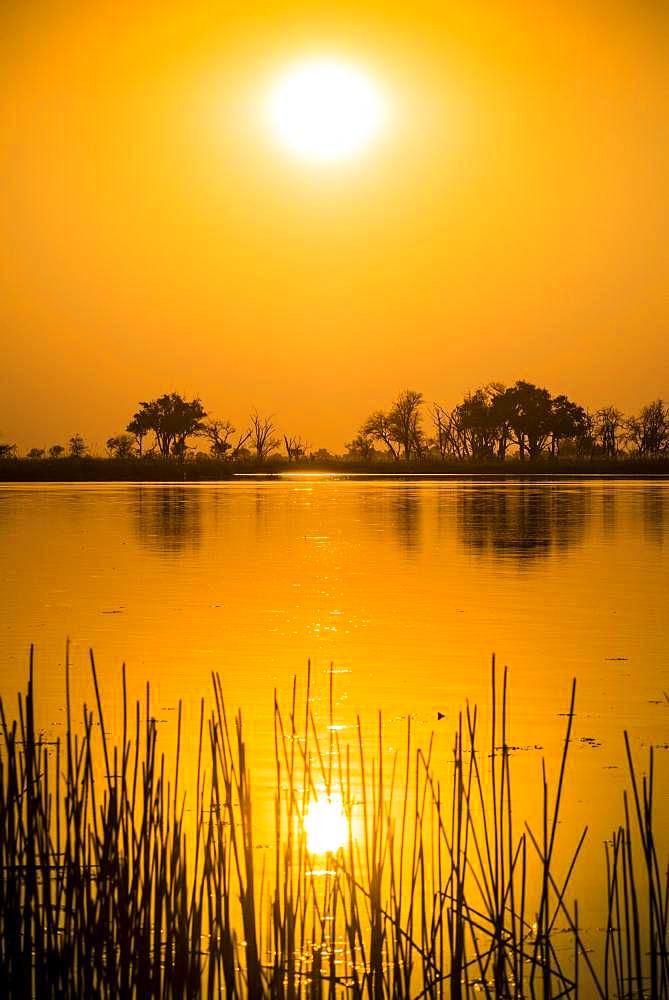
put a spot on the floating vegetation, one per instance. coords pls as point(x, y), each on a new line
point(108, 888)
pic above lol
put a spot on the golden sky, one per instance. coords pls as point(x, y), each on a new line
point(510, 222)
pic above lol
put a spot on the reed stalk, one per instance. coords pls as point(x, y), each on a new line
point(106, 890)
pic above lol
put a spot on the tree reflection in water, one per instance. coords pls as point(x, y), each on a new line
point(654, 507)
point(406, 514)
point(524, 520)
point(395, 513)
point(168, 519)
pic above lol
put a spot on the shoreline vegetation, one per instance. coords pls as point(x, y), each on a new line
point(118, 881)
point(89, 468)
point(518, 430)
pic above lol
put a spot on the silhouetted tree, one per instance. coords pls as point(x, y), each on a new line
point(475, 428)
point(219, 434)
point(56, 451)
point(648, 434)
point(36, 453)
point(476, 422)
point(262, 429)
point(501, 408)
point(492, 418)
point(7, 450)
point(448, 439)
point(404, 423)
point(441, 421)
point(527, 410)
point(172, 419)
point(238, 449)
point(378, 427)
point(361, 448)
point(586, 440)
point(121, 445)
point(296, 448)
point(609, 426)
point(77, 446)
point(567, 422)
point(140, 425)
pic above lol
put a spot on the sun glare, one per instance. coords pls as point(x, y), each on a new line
point(325, 110)
point(325, 825)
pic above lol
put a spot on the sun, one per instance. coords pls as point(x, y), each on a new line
point(325, 110)
point(325, 825)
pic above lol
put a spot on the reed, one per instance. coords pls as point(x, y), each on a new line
point(439, 891)
point(636, 957)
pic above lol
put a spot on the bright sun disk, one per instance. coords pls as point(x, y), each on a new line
point(325, 825)
point(324, 110)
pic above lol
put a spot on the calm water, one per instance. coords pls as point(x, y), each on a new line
point(407, 588)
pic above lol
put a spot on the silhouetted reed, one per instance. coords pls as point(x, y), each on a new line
point(437, 891)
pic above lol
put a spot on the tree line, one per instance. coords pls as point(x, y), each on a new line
point(490, 424)
point(495, 422)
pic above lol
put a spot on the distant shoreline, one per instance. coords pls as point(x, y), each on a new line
point(87, 469)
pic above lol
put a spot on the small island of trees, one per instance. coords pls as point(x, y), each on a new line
point(521, 428)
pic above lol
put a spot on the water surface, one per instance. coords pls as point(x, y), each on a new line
point(406, 587)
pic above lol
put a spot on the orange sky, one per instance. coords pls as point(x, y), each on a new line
point(511, 223)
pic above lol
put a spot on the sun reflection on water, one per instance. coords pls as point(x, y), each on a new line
point(325, 825)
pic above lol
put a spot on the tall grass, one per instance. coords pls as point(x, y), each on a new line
point(440, 891)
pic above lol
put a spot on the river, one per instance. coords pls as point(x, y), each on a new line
point(404, 588)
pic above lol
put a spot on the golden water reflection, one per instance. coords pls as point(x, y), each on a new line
point(526, 522)
point(407, 588)
point(168, 521)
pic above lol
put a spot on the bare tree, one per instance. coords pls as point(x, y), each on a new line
point(262, 429)
point(404, 418)
point(378, 427)
point(238, 446)
point(296, 447)
point(219, 433)
point(449, 435)
point(399, 429)
point(609, 427)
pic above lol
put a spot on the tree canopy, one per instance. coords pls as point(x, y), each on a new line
point(399, 429)
point(172, 419)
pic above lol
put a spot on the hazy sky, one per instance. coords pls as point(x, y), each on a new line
point(511, 222)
